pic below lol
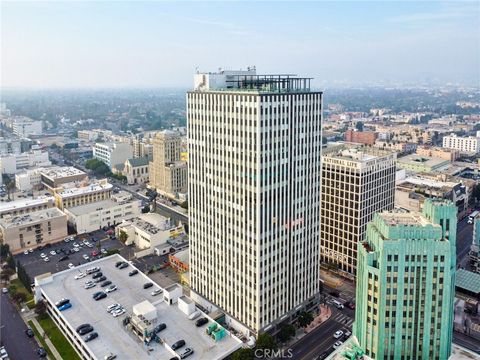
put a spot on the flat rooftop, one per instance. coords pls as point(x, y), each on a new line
point(95, 206)
point(25, 203)
point(59, 172)
point(468, 280)
point(405, 219)
point(30, 218)
point(423, 160)
point(75, 191)
point(355, 153)
point(113, 336)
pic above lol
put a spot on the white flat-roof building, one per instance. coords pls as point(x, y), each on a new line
point(29, 179)
point(24, 127)
point(10, 146)
point(112, 153)
point(75, 194)
point(29, 230)
point(93, 216)
point(11, 164)
point(135, 339)
point(464, 144)
point(55, 176)
point(25, 206)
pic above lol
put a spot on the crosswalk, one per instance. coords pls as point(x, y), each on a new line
point(343, 319)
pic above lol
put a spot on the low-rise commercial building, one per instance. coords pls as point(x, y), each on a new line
point(361, 137)
point(13, 163)
point(94, 216)
point(416, 163)
point(437, 152)
point(464, 144)
point(75, 194)
point(131, 335)
point(112, 153)
point(29, 179)
point(25, 127)
point(87, 135)
point(180, 260)
point(54, 177)
point(25, 206)
point(32, 229)
point(10, 146)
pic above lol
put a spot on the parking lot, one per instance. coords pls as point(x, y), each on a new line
point(36, 265)
point(113, 336)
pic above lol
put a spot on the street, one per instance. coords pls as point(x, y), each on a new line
point(464, 241)
point(12, 332)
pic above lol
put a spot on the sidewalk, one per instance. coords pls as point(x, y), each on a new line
point(325, 314)
point(30, 316)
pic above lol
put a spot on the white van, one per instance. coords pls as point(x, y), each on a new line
point(338, 304)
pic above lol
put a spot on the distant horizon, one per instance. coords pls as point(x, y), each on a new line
point(160, 44)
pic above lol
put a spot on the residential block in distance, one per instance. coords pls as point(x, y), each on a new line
point(254, 195)
point(406, 283)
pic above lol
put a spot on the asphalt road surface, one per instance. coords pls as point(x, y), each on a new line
point(321, 339)
point(464, 239)
point(12, 333)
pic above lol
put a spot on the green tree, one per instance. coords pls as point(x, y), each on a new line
point(98, 167)
point(266, 341)
point(11, 262)
point(286, 332)
point(123, 236)
point(305, 318)
point(41, 310)
point(12, 289)
point(19, 297)
point(4, 250)
point(243, 354)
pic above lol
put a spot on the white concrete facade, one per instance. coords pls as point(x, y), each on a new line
point(254, 193)
point(112, 153)
point(464, 144)
point(11, 164)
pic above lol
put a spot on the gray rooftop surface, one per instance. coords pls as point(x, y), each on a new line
point(113, 337)
point(468, 280)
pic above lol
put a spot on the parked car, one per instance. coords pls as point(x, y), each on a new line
point(41, 352)
point(202, 321)
point(103, 251)
point(106, 283)
point(338, 334)
point(97, 275)
point(118, 263)
point(25, 252)
point(63, 258)
point(80, 275)
point(46, 259)
point(53, 252)
point(81, 326)
point(85, 330)
point(112, 307)
point(95, 253)
point(178, 344)
point(71, 266)
point(43, 255)
point(29, 332)
point(76, 249)
point(65, 307)
point(101, 296)
point(91, 336)
point(133, 272)
point(147, 285)
point(118, 312)
point(185, 353)
point(159, 328)
point(123, 266)
point(85, 256)
point(111, 288)
point(62, 302)
point(89, 285)
point(337, 344)
point(92, 270)
point(156, 292)
point(100, 279)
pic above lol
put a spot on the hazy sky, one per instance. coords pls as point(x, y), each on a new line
point(156, 44)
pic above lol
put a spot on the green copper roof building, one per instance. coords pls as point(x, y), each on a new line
point(406, 284)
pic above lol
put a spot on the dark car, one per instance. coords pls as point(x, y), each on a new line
point(100, 296)
point(322, 356)
point(147, 285)
point(100, 279)
point(334, 293)
point(85, 330)
point(350, 305)
point(91, 336)
point(118, 263)
point(41, 352)
point(97, 275)
point(63, 258)
point(81, 326)
point(201, 322)
point(133, 272)
point(106, 283)
point(62, 302)
point(94, 295)
point(178, 344)
point(159, 328)
point(29, 333)
point(123, 266)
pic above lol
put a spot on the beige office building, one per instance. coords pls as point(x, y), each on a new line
point(76, 195)
point(25, 206)
point(357, 182)
point(254, 195)
point(30, 230)
point(168, 175)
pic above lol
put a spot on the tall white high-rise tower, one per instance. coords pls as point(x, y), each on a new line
point(254, 194)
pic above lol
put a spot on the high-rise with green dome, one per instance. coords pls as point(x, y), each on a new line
point(406, 284)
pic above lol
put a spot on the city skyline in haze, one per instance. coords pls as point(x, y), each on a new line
point(161, 44)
